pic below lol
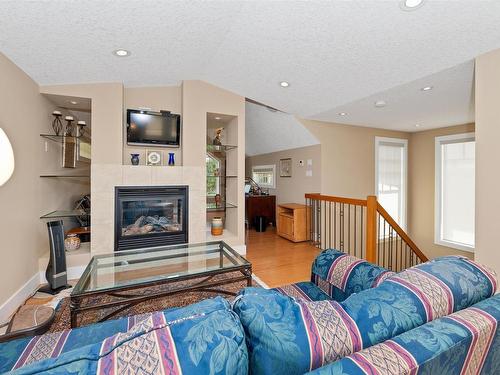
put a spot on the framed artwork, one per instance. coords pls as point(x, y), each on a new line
point(286, 167)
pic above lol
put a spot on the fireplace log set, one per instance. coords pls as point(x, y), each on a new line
point(151, 224)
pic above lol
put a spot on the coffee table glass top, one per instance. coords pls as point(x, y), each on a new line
point(122, 269)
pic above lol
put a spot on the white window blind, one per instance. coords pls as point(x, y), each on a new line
point(265, 175)
point(390, 176)
point(455, 191)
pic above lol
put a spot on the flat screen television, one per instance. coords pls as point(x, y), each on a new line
point(153, 128)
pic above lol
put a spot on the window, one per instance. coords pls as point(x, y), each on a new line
point(455, 191)
point(213, 169)
point(265, 176)
point(391, 163)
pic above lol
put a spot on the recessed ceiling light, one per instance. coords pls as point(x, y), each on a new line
point(417, 125)
point(73, 102)
point(411, 4)
point(427, 88)
point(342, 113)
point(284, 84)
point(121, 52)
point(380, 103)
point(217, 118)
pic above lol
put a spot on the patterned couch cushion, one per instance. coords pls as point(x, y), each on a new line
point(306, 291)
point(339, 275)
point(202, 338)
point(466, 342)
point(289, 337)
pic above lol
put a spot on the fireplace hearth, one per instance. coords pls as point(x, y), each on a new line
point(150, 216)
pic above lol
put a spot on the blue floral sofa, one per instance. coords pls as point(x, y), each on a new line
point(352, 318)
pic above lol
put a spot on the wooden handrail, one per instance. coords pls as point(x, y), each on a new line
point(329, 198)
point(381, 210)
point(335, 225)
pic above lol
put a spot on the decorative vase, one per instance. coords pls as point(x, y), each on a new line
point(57, 123)
point(171, 158)
point(134, 159)
point(72, 242)
point(217, 226)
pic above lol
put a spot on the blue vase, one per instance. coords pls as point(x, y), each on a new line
point(171, 158)
point(134, 159)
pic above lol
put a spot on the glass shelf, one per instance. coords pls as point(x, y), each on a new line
point(62, 213)
point(220, 147)
point(228, 176)
point(60, 138)
point(64, 176)
point(222, 206)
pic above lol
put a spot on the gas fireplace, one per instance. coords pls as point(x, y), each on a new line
point(150, 216)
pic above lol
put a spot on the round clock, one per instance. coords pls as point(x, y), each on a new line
point(154, 158)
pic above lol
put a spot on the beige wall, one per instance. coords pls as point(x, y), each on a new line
point(167, 98)
point(487, 93)
point(24, 115)
point(348, 157)
point(292, 189)
point(198, 99)
point(421, 189)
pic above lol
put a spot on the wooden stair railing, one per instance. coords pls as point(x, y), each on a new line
point(362, 228)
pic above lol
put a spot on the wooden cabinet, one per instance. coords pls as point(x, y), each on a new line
point(260, 205)
point(292, 221)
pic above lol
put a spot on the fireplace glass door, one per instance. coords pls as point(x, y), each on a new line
point(150, 217)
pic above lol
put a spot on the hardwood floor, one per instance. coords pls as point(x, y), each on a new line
point(277, 261)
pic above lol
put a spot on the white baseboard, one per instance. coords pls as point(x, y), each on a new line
point(10, 306)
point(260, 282)
point(241, 249)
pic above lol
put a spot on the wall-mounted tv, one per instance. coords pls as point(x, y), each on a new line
point(148, 128)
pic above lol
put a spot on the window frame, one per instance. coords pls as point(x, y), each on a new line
point(269, 166)
point(439, 141)
point(404, 143)
point(216, 178)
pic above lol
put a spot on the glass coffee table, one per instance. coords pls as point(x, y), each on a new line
point(116, 276)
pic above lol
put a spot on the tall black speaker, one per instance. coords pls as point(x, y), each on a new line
point(56, 273)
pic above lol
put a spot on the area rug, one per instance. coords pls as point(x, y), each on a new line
point(62, 318)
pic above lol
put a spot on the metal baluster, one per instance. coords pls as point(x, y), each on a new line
point(361, 234)
point(342, 232)
point(349, 228)
point(355, 237)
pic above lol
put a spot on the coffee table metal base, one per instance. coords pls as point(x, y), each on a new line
point(125, 297)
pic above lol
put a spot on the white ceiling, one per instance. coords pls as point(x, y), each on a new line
point(270, 131)
point(332, 52)
point(449, 102)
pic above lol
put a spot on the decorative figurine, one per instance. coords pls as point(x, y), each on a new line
point(134, 159)
point(218, 135)
point(56, 123)
point(171, 158)
point(217, 200)
point(69, 126)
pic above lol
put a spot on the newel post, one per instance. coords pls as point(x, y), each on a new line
point(371, 229)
